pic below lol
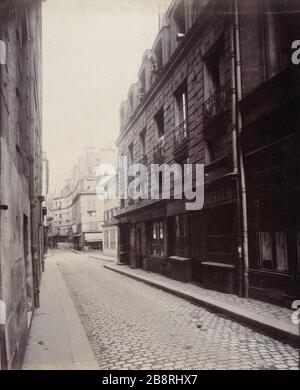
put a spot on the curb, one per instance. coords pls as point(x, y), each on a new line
point(264, 325)
point(103, 259)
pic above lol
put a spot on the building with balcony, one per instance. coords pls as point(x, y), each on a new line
point(75, 215)
point(194, 101)
point(270, 142)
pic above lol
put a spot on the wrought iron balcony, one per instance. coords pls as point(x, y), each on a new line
point(159, 150)
point(181, 136)
point(214, 105)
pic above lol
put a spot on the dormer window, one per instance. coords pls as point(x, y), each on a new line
point(179, 19)
point(130, 154)
point(158, 60)
point(142, 86)
point(159, 120)
point(131, 104)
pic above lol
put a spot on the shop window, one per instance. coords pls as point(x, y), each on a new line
point(159, 147)
point(272, 226)
point(157, 238)
point(180, 97)
point(180, 236)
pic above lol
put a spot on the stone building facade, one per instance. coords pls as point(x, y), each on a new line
point(76, 213)
point(188, 107)
point(21, 159)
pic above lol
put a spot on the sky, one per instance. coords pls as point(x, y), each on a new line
point(92, 51)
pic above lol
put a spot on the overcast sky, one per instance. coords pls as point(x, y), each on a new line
point(92, 50)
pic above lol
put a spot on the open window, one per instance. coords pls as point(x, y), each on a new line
point(158, 58)
point(157, 238)
point(214, 93)
point(180, 100)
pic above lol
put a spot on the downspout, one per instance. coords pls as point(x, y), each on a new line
point(240, 154)
point(235, 161)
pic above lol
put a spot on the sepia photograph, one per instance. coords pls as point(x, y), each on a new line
point(149, 189)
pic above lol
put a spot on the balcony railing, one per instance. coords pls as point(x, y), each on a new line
point(180, 135)
point(159, 150)
point(214, 105)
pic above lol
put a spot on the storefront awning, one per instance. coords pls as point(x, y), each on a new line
point(93, 237)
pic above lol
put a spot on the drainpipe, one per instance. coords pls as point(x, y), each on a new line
point(235, 161)
point(241, 167)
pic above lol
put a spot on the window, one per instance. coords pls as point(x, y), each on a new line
point(91, 213)
point(214, 93)
point(272, 224)
point(215, 149)
point(179, 18)
point(142, 89)
point(157, 238)
point(143, 143)
point(159, 147)
point(180, 98)
point(214, 70)
point(159, 121)
point(180, 236)
point(130, 154)
point(180, 105)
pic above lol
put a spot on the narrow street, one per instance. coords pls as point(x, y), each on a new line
point(130, 325)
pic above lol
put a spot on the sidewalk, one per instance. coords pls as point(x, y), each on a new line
point(270, 319)
point(57, 338)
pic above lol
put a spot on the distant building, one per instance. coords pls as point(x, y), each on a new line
point(22, 183)
point(87, 216)
point(76, 215)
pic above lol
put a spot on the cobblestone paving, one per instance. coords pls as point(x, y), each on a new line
point(133, 326)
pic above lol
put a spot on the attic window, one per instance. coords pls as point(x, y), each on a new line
point(158, 57)
point(142, 83)
point(179, 18)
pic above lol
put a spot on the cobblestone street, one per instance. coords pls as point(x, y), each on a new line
point(134, 326)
